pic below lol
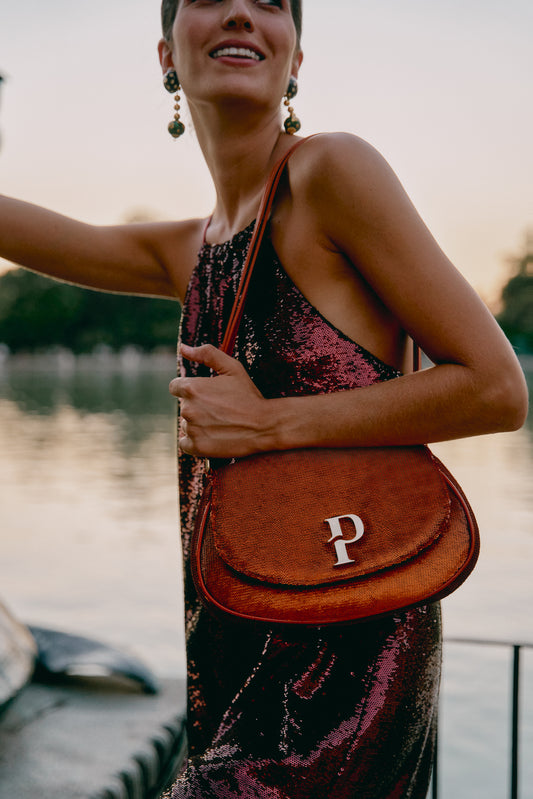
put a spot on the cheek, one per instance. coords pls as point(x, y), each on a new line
point(183, 42)
point(286, 36)
point(189, 30)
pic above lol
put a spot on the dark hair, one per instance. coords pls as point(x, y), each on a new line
point(170, 7)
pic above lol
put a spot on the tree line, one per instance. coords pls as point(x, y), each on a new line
point(37, 313)
point(516, 316)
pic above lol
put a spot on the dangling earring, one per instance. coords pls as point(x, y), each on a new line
point(171, 83)
point(292, 123)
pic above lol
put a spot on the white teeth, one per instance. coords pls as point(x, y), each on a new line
point(242, 52)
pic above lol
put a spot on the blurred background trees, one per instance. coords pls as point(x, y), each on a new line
point(516, 315)
point(37, 313)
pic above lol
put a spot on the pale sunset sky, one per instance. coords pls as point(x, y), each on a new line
point(441, 88)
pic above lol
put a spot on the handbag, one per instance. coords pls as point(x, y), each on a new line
point(323, 536)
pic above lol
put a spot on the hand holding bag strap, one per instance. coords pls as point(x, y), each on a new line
point(263, 216)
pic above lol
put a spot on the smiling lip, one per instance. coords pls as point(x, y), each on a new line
point(237, 49)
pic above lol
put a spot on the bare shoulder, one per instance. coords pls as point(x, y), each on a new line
point(353, 198)
point(345, 189)
point(328, 161)
point(345, 196)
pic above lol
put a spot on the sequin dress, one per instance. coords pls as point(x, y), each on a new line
point(342, 713)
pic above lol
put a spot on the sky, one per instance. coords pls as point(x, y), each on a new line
point(442, 89)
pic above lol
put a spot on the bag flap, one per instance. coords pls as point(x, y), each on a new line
point(321, 516)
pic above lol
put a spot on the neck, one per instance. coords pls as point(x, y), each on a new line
point(240, 153)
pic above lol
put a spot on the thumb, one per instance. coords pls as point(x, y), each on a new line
point(213, 358)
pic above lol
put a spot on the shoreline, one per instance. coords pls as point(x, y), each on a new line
point(128, 359)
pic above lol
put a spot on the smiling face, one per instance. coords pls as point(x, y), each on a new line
point(232, 49)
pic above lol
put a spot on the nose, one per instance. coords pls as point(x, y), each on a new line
point(238, 16)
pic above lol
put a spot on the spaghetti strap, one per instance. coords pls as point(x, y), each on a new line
point(204, 237)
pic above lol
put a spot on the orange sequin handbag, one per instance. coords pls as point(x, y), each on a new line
point(327, 535)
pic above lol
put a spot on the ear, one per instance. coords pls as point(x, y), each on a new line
point(165, 55)
point(297, 63)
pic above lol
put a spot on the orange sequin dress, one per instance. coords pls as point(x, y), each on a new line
point(339, 713)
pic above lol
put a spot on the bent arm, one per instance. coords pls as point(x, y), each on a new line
point(475, 387)
point(133, 259)
point(438, 404)
point(226, 416)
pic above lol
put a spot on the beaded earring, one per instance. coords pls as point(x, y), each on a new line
point(292, 123)
point(171, 83)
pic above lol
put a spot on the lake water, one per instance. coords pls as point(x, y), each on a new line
point(90, 543)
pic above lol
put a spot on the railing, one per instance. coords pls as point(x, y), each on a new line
point(515, 713)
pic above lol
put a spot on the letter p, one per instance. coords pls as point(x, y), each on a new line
point(340, 542)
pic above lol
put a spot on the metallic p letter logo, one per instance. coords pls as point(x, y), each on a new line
point(340, 542)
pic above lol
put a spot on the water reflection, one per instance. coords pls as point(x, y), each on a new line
point(90, 540)
point(136, 402)
point(93, 451)
point(89, 516)
point(137, 392)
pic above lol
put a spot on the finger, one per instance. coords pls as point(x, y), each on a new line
point(185, 441)
point(185, 444)
point(211, 357)
point(187, 447)
point(188, 440)
point(181, 387)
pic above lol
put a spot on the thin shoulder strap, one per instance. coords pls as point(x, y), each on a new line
point(261, 222)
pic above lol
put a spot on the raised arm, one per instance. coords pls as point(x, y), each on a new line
point(151, 259)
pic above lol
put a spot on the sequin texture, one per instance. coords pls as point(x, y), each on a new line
point(343, 713)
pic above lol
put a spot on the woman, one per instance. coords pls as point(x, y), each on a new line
point(347, 274)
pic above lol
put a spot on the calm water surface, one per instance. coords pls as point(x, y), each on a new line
point(90, 543)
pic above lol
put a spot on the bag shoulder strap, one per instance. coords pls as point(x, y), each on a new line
point(261, 222)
